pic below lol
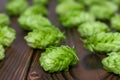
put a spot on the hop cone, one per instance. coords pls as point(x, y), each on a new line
point(90, 28)
point(115, 22)
point(43, 38)
point(16, 7)
point(112, 62)
point(2, 55)
point(103, 42)
point(75, 18)
point(71, 6)
point(56, 59)
point(4, 20)
point(7, 36)
point(31, 22)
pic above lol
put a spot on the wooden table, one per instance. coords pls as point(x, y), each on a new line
point(21, 62)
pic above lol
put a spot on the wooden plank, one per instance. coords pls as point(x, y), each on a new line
point(18, 55)
point(35, 68)
point(22, 62)
point(88, 68)
point(75, 72)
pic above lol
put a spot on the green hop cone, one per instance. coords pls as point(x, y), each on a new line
point(7, 36)
point(103, 11)
point(31, 22)
point(35, 10)
point(2, 51)
point(16, 0)
point(56, 59)
point(91, 2)
point(116, 2)
point(75, 18)
point(45, 37)
point(112, 62)
point(103, 42)
point(16, 7)
point(4, 20)
point(87, 29)
point(115, 22)
point(72, 6)
point(40, 2)
point(62, 1)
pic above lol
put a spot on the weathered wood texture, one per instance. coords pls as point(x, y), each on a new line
point(18, 55)
point(21, 62)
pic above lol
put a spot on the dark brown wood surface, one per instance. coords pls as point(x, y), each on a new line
point(21, 62)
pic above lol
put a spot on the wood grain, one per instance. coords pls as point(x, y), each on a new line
point(22, 62)
point(18, 55)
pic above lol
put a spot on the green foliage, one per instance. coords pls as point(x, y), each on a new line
point(44, 37)
point(56, 59)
